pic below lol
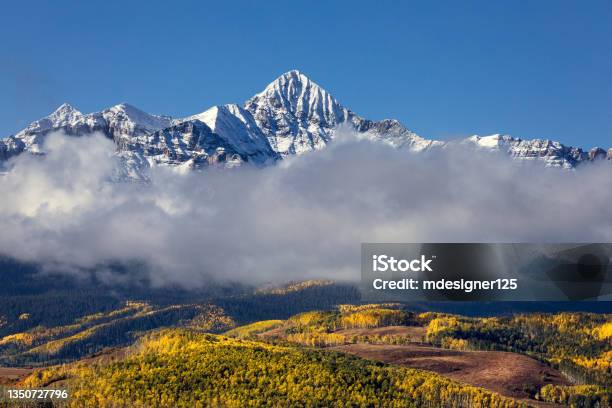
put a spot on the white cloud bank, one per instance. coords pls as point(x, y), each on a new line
point(303, 218)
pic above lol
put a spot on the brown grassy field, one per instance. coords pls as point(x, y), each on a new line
point(505, 373)
point(508, 374)
point(11, 375)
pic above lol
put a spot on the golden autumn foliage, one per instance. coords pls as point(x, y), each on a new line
point(25, 339)
point(94, 332)
point(211, 318)
point(602, 362)
point(185, 368)
point(316, 339)
point(603, 332)
point(374, 317)
point(455, 344)
point(250, 330)
point(179, 368)
point(357, 308)
point(319, 328)
point(577, 395)
point(295, 287)
point(316, 319)
point(577, 343)
point(440, 325)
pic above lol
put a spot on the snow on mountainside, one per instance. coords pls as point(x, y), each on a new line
point(120, 122)
point(291, 116)
point(299, 116)
point(65, 115)
point(126, 121)
point(392, 132)
point(296, 114)
point(238, 129)
point(554, 154)
point(190, 144)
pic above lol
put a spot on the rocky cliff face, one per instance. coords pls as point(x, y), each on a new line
point(554, 154)
point(299, 116)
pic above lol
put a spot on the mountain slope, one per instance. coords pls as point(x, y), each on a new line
point(392, 132)
point(120, 123)
point(238, 129)
point(296, 114)
point(123, 122)
point(181, 368)
point(299, 116)
point(191, 144)
point(554, 154)
point(143, 140)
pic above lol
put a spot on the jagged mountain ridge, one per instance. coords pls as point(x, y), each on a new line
point(299, 116)
point(238, 128)
point(291, 116)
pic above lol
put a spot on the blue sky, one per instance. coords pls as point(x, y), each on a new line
point(445, 69)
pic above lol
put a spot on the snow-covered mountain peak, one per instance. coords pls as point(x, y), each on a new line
point(236, 126)
point(296, 114)
point(64, 115)
point(292, 115)
point(132, 117)
point(298, 94)
point(216, 115)
point(209, 117)
point(64, 111)
point(126, 108)
point(553, 153)
point(290, 80)
point(293, 77)
point(491, 141)
point(294, 72)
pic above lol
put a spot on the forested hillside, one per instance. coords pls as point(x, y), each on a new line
point(92, 333)
point(273, 331)
point(579, 344)
point(179, 368)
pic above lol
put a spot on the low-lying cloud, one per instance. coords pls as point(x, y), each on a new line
point(305, 217)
